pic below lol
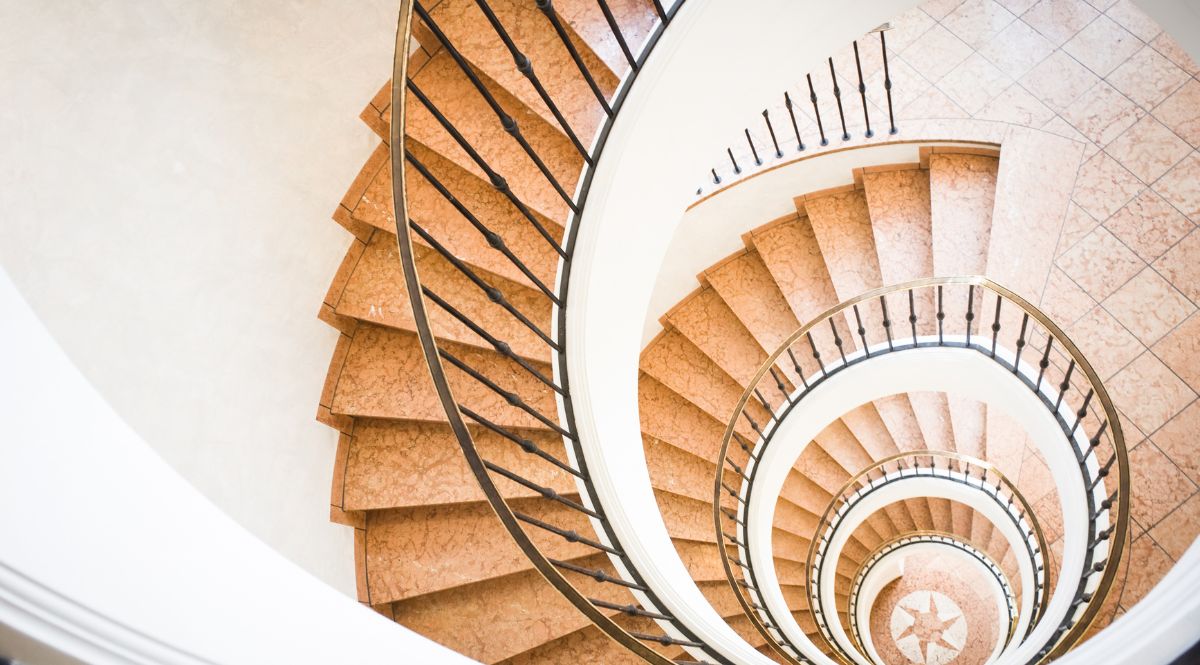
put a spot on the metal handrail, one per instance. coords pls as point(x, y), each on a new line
point(644, 603)
point(863, 484)
point(954, 312)
point(938, 537)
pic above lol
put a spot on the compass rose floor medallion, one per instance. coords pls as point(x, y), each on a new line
point(928, 628)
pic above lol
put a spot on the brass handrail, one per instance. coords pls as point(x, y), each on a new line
point(830, 520)
point(676, 633)
point(930, 536)
point(1101, 424)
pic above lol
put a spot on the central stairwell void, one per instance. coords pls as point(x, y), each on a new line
point(856, 376)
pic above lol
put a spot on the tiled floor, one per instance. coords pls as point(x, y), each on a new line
point(1126, 283)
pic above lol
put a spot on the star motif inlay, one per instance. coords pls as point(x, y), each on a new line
point(928, 628)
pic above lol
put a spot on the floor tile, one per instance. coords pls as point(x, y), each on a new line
point(1181, 266)
point(1101, 4)
point(1166, 45)
point(1181, 186)
point(1149, 225)
point(1018, 106)
point(907, 27)
point(1103, 114)
point(1018, 7)
point(1180, 350)
point(1076, 226)
point(1147, 78)
point(978, 21)
point(1161, 486)
point(1104, 186)
point(1177, 440)
point(1100, 263)
point(1102, 45)
point(1017, 49)
point(1181, 112)
point(1148, 563)
point(1149, 392)
point(938, 9)
point(1133, 19)
point(936, 53)
point(1060, 20)
point(1148, 149)
point(1106, 344)
point(933, 104)
point(1176, 531)
point(974, 83)
point(1063, 301)
point(1149, 306)
point(1059, 81)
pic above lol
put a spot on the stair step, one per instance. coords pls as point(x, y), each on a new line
point(636, 19)
point(747, 287)
point(677, 471)
point(962, 194)
point(668, 416)
point(790, 252)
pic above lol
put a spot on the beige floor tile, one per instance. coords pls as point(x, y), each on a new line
point(1126, 13)
point(1177, 440)
point(1160, 486)
point(1180, 350)
point(1060, 20)
point(1064, 302)
point(1147, 78)
point(1148, 149)
point(1181, 112)
point(1149, 392)
point(1100, 263)
point(974, 83)
point(977, 21)
point(1106, 344)
point(936, 53)
point(1181, 186)
point(1076, 226)
point(933, 104)
point(938, 9)
point(1101, 4)
point(1149, 225)
point(1018, 106)
point(1148, 563)
point(1064, 129)
point(1018, 7)
point(1104, 186)
point(1102, 45)
point(1176, 531)
point(1103, 114)
point(1166, 45)
point(1149, 306)
point(1181, 266)
point(907, 27)
point(1059, 80)
point(1017, 48)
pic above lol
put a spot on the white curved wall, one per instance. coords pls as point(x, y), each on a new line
point(169, 171)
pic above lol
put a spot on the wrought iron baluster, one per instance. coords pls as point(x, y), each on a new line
point(970, 310)
point(771, 130)
point(787, 102)
point(812, 95)
point(837, 95)
point(941, 317)
point(716, 178)
point(996, 324)
point(753, 150)
point(798, 368)
point(912, 315)
point(510, 397)
point(736, 169)
point(862, 91)
point(816, 354)
point(1044, 362)
point(837, 341)
point(616, 31)
point(887, 81)
point(1065, 385)
point(525, 444)
point(547, 8)
point(887, 322)
point(1020, 343)
point(862, 333)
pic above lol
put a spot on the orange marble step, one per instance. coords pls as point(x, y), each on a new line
point(437, 215)
point(968, 419)
point(866, 425)
point(899, 206)
point(401, 463)
point(677, 471)
point(789, 250)
point(413, 551)
point(384, 375)
point(841, 222)
point(794, 519)
point(686, 518)
point(456, 98)
point(375, 291)
point(588, 644)
point(469, 30)
point(746, 285)
point(636, 18)
point(668, 416)
point(962, 194)
point(805, 493)
point(816, 464)
point(840, 443)
point(499, 618)
point(707, 322)
point(683, 367)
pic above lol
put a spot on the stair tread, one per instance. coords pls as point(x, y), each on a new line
point(901, 220)
point(747, 287)
point(636, 19)
point(791, 253)
point(668, 416)
point(962, 193)
point(715, 329)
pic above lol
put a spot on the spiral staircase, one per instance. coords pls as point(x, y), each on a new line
point(460, 465)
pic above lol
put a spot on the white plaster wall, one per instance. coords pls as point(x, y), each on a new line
point(169, 169)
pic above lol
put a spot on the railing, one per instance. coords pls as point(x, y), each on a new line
point(941, 466)
point(969, 313)
point(925, 537)
point(629, 595)
point(790, 110)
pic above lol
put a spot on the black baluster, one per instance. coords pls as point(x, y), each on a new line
point(1044, 363)
point(837, 341)
point(862, 91)
point(616, 31)
point(887, 323)
point(996, 325)
point(798, 368)
point(970, 311)
point(526, 68)
point(662, 13)
point(912, 315)
point(780, 384)
point(551, 15)
point(736, 169)
point(862, 332)
point(837, 95)
point(812, 95)
point(787, 102)
point(771, 131)
point(1020, 343)
point(941, 317)
point(753, 150)
point(816, 354)
point(716, 178)
point(887, 81)
point(1065, 385)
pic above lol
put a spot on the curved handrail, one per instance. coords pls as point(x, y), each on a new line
point(1061, 378)
point(644, 603)
point(928, 536)
point(863, 484)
